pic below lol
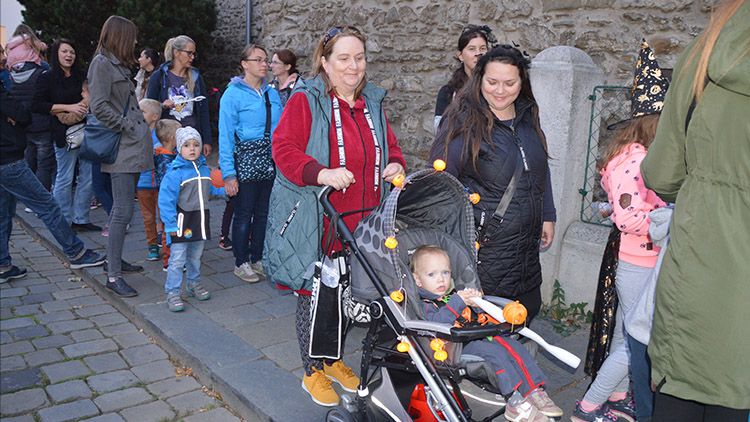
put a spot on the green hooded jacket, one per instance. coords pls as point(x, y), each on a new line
point(700, 343)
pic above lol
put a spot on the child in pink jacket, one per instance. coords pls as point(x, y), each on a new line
point(24, 48)
point(608, 398)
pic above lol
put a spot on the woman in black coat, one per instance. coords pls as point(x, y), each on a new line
point(491, 131)
point(58, 92)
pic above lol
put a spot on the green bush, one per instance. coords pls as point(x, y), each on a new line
point(157, 20)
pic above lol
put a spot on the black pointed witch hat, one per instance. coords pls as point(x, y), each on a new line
point(649, 87)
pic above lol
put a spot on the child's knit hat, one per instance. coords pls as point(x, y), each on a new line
point(183, 134)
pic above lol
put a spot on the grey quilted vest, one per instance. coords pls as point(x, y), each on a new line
point(295, 222)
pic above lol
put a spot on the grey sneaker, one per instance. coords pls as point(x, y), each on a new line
point(198, 291)
point(541, 401)
point(258, 268)
point(524, 411)
point(245, 272)
point(174, 302)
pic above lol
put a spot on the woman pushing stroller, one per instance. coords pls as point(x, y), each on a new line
point(332, 132)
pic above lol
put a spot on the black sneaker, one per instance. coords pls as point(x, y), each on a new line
point(225, 243)
point(121, 288)
point(602, 414)
point(12, 274)
point(126, 268)
point(624, 408)
point(88, 259)
point(86, 227)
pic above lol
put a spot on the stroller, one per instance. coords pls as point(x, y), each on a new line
point(401, 379)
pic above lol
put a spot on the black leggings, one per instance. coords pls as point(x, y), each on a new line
point(672, 409)
point(532, 300)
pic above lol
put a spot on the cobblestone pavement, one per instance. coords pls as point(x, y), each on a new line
point(67, 354)
point(243, 341)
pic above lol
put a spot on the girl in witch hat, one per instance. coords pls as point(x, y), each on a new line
point(608, 398)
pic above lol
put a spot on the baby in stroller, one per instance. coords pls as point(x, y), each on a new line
point(518, 375)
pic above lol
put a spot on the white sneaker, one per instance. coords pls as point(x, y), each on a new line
point(27, 209)
point(245, 272)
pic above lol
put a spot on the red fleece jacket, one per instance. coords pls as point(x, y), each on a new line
point(290, 142)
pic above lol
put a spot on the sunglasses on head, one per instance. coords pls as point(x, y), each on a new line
point(337, 30)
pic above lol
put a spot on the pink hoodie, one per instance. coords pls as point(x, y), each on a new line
point(622, 181)
point(20, 51)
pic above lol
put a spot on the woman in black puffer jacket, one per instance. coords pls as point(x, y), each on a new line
point(489, 130)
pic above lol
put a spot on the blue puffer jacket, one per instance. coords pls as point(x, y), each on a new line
point(147, 181)
point(158, 90)
point(183, 200)
point(242, 113)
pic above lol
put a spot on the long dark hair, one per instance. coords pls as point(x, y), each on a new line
point(470, 32)
point(470, 116)
point(155, 56)
point(54, 60)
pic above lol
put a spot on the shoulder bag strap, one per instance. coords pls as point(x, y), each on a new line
point(497, 217)
point(127, 104)
point(267, 132)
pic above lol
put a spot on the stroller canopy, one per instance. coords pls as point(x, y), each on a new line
point(430, 208)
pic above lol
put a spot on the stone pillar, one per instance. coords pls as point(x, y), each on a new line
point(562, 79)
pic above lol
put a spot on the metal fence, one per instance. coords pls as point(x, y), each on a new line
point(609, 105)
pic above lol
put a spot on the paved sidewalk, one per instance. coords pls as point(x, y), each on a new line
point(66, 354)
point(242, 341)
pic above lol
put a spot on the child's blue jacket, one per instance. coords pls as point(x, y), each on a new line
point(183, 200)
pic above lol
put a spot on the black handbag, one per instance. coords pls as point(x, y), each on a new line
point(252, 160)
point(100, 143)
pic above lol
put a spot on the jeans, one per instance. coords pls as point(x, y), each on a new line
point(102, 186)
point(66, 165)
point(18, 182)
point(640, 369)
point(250, 216)
point(186, 254)
point(40, 154)
point(123, 192)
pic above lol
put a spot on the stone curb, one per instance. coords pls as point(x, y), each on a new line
point(229, 391)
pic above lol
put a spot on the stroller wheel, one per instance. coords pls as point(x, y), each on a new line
point(339, 414)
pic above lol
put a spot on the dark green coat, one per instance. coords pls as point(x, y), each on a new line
point(701, 334)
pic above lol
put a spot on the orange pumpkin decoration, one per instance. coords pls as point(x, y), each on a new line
point(217, 179)
point(391, 242)
point(398, 180)
point(437, 344)
point(441, 355)
point(438, 165)
point(515, 313)
point(474, 198)
point(402, 347)
point(397, 296)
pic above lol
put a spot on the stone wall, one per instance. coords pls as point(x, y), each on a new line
point(411, 43)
